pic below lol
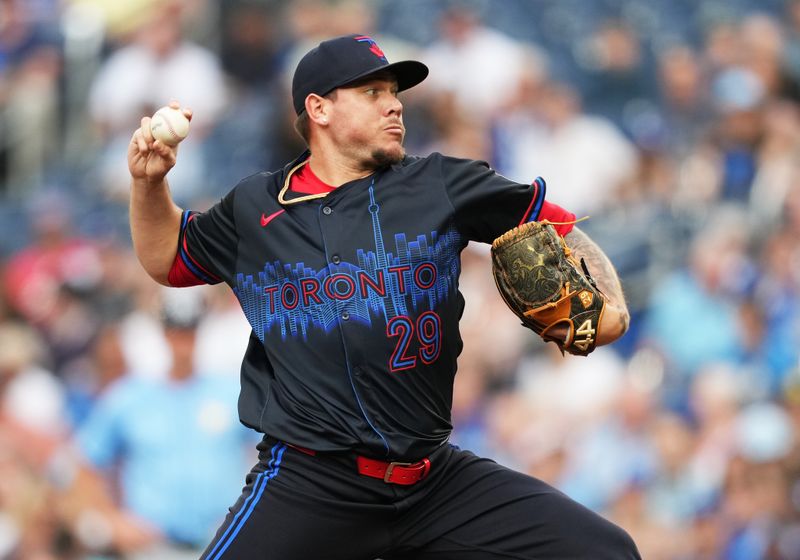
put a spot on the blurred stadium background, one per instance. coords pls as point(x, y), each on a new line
point(673, 124)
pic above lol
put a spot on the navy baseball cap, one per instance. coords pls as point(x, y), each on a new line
point(343, 60)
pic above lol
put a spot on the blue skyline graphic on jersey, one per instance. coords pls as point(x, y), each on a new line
point(294, 298)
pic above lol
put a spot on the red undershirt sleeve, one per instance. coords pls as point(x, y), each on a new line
point(186, 271)
point(563, 220)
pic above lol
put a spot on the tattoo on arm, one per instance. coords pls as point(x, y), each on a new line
point(600, 268)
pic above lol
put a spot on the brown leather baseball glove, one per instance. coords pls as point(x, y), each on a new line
point(546, 287)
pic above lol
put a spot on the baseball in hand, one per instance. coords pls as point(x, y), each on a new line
point(169, 125)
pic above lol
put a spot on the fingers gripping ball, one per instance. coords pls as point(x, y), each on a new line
point(169, 125)
point(547, 288)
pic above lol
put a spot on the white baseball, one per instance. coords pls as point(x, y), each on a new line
point(169, 125)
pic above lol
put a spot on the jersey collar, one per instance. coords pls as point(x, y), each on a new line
point(287, 196)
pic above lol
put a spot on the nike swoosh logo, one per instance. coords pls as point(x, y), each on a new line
point(267, 219)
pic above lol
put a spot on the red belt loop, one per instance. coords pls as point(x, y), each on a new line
point(394, 472)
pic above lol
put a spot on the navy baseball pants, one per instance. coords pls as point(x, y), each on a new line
point(301, 507)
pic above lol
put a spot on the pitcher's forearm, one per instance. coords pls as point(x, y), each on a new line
point(155, 225)
point(616, 318)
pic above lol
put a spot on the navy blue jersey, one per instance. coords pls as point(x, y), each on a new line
point(353, 296)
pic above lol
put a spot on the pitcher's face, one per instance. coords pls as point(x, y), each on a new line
point(366, 122)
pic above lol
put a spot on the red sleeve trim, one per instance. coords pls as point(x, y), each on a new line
point(186, 271)
point(538, 188)
point(190, 261)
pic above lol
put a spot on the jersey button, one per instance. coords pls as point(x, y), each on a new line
point(335, 259)
point(327, 210)
point(345, 315)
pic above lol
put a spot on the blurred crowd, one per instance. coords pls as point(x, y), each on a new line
point(674, 125)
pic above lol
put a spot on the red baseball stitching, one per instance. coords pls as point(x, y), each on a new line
point(170, 128)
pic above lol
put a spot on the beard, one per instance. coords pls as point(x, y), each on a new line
point(385, 158)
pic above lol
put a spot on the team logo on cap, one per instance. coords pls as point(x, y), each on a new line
point(373, 46)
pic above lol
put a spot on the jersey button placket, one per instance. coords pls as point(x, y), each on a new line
point(335, 259)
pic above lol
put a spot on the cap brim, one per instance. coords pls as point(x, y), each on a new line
point(407, 72)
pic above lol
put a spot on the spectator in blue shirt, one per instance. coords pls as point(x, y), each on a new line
point(175, 444)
